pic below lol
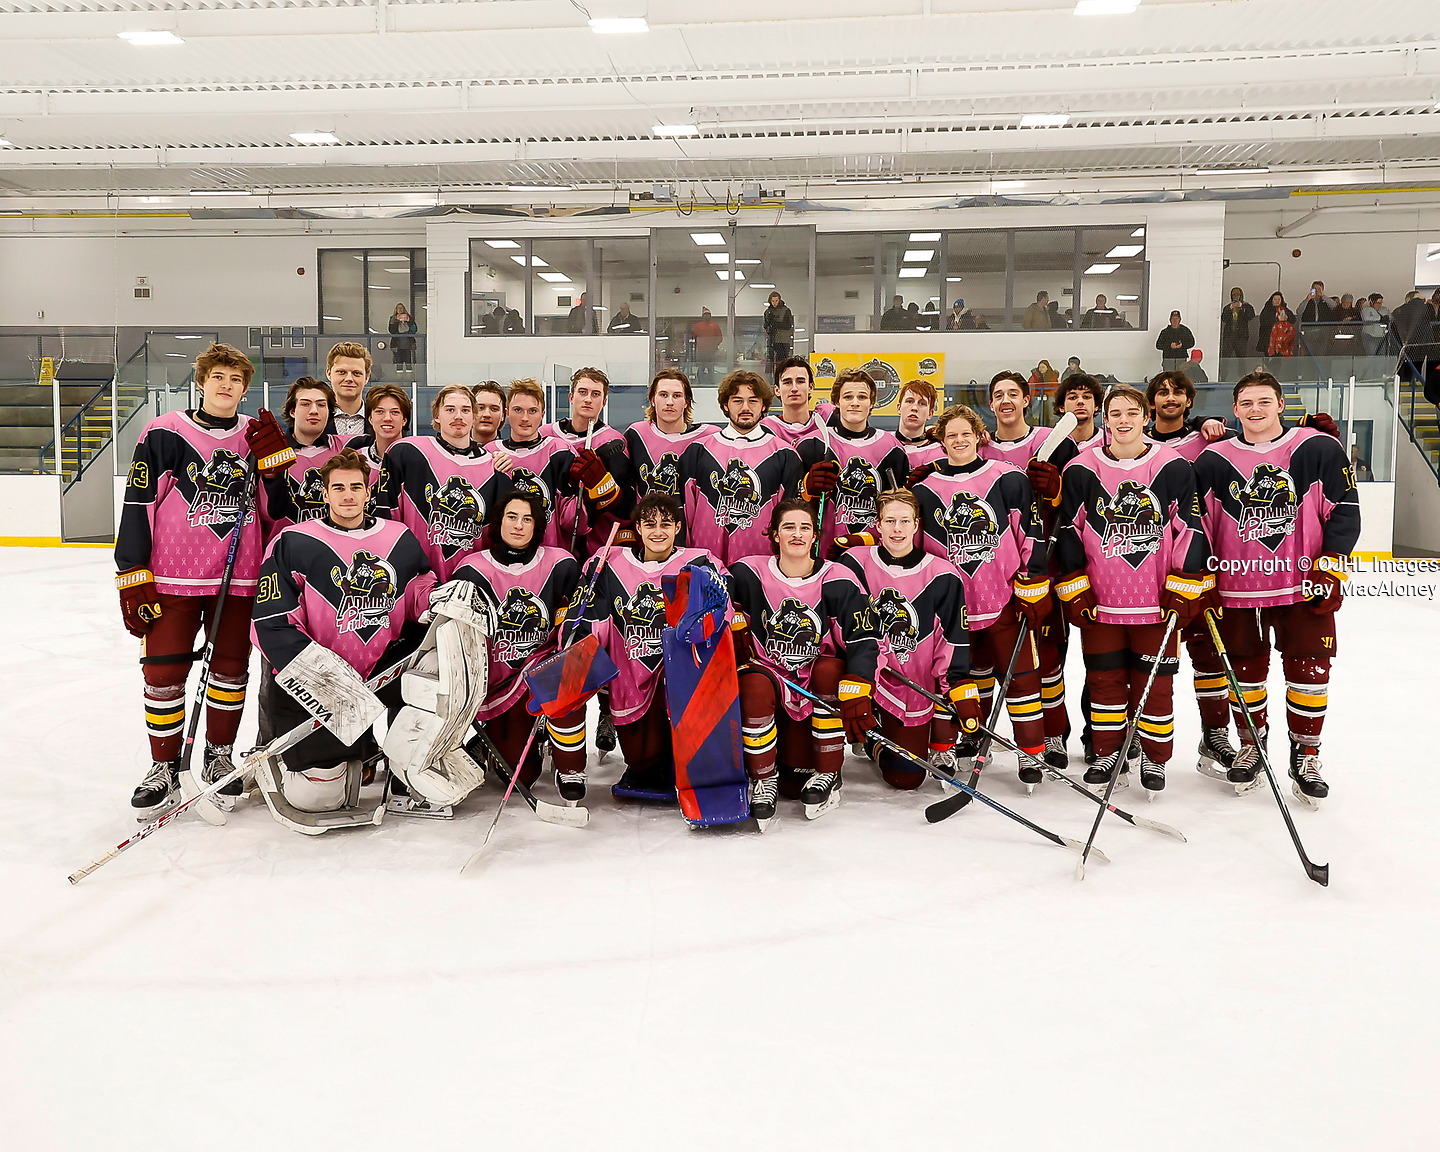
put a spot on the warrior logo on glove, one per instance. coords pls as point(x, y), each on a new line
point(972, 532)
point(457, 513)
point(367, 593)
point(793, 636)
point(896, 619)
point(523, 625)
point(1267, 506)
point(1131, 523)
point(664, 477)
point(219, 492)
point(641, 621)
point(737, 494)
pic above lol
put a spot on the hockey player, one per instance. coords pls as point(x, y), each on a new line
point(916, 405)
point(1082, 395)
point(599, 452)
point(542, 464)
point(296, 494)
point(793, 384)
point(1133, 550)
point(807, 621)
point(917, 604)
point(656, 444)
point(866, 462)
point(733, 480)
point(529, 584)
point(441, 487)
point(489, 412)
point(347, 368)
point(340, 599)
point(626, 613)
point(189, 486)
point(1170, 396)
point(980, 515)
point(1283, 515)
point(387, 412)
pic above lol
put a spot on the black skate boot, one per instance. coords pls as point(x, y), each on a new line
point(158, 792)
point(763, 794)
point(571, 786)
point(219, 761)
point(1031, 771)
point(1055, 754)
point(820, 794)
point(1216, 753)
point(605, 738)
point(1099, 772)
point(1309, 787)
point(1152, 776)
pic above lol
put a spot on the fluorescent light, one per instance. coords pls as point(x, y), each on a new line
point(1101, 269)
point(918, 255)
point(718, 257)
point(618, 25)
point(675, 130)
point(382, 288)
point(220, 192)
point(1127, 299)
point(762, 285)
point(501, 244)
point(924, 237)
point(912, 273)
point(314, 137)
point(189, 337)
point(541, 187)
point(1006, 185)
point(4, 143)
point(1105, 7)
point(150, 38)
point(401, 270)
point(727, 276)
point(747, 261)
point(10, 211)
point(178, 355)
point(1124, 251)
point(1139, 231)
point(1044, 119)
point(706, 239)
point(535, 261)
point(1242, 170)
point(953, 279)
point(869, 180)
point(554, 277)
point(337, 319)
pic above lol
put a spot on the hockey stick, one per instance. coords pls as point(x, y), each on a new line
point(274, 748)
point(550, 813)
point(208, 810)
point(1130, 730)
point(824, 429)
point(1320, 873)
point(944, 777)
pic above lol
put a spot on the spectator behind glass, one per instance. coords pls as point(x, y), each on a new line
point(1174, 343)
point(958, 319)
point(1072, 366)
point(1277, 328)
point(1376, 320)
point(625, 322)
point(895, 318)
point(1347, 327)
point(1317, 317)
point(1235, 320)
point(912, 318)
point(1100, 316)
point(582, 319)
point(402, 347)
point(779, 325)
point(707, 337)
point(1043, 374)
point(1037, 316)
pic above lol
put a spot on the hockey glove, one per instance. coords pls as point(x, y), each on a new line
point(742, 639)
point(1187, 594)
point(842, 544)
point(921, 474)
point(965, 699)
point(822, 477)
point(856, 710)
point(1032, 598)
point(1077, 599)
point(1326, 584)
point(272, 451)
point(1321, 422)
point(589, 471)
point(139, 604)
point(626, 536)
point(1044, 479)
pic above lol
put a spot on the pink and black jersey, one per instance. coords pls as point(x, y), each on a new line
point(353, 592)
point(732, 484)
point(1187, 441)
point(792, 434)
point(530, 596)
point(917, 606)
point(542, 466)
point(1129, 524)
point(298, 494)
point(441, 494)
point(1272, 509)
point(626, 614)
point(609, 444)
point(981, 517)
point(795, 620)
point(870, 462)
point(921, 450)
point(1019, 453)
point(655, 456)
point(185, 491)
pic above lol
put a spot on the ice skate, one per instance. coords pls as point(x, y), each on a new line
point(1099, 772)
point(1055, 754)
point(1308, 785)
point(219, 761)
point(158, 792)
point(571, 786)
point(820, 794)
point(763, 795)
point(605, 738)
point(1216, 753)
point(400, 801)
point(1152, 776)
point(1032, 771)
point(1244, 773)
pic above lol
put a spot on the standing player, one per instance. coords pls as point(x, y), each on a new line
point(538, 463)
point(733, 480)
point(529, 583)
point(917, 604)
point(441, 487)
point(347, 367)
point(917, 404)
point(297, 493)
point(656, 444)
point(805, 620)
point(980, 515)
point(1131, 543)
point(1283, 515)
point(489, 412)
point(794, 383)
point(189, 486)
point(599, 451)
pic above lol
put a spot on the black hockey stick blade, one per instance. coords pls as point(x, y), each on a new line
point(944, 809)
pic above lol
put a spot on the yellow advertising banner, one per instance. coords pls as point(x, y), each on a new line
point(889, 370)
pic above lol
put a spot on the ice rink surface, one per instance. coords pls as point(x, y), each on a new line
point(864, 981)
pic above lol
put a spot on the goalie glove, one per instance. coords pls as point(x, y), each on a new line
point(139, 602)
point(965, 699)
point(857, 712)
point(331, 691)
point(1032, 598)
point(267, 441)
point(1077, 599)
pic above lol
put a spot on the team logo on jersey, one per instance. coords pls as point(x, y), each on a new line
point(367, 593)
point(972, 532)
point(856, 492)
point(640, 621)
point(737, 495)
point(307, 495)
point(1130, 525)
point(664, 477)
point(527, 481)
point(219, 492)
point(793, 634)
point(1267, 506)
point(523, 625)
point(895, 619)
point(456, 513)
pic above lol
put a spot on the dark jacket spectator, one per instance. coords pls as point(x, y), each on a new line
point(625, 322)
point(895, 318)
point(1235, 320)
point(1276, 330)
point(1174, 343)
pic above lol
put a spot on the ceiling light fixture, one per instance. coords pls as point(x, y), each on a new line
point(869, 180)
point(150, 38)
point(1105, 7)
point(535, 261)
point(924, 237)
point(618, 25)
point(747, 261)
point(554, 277)
point(1043, 119)
point(1127, 299)
point(1234, 170)
point(220, 192)
point(501, 244)
point(717, 257)
point(675, 130)
point(1124, 251)
point(761, 285)
point(918, 255)
point(314, 137)
point(1138, 231)
point(541, 187)
point(1101, 269)
point(912, 273)
point(727, 275)
point(706, 239)
point(953, 279)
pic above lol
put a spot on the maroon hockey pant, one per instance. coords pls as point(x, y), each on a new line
point(1306, 643)
point(511, 729)
point(917, 739)
point(1118, 661)
point(166, 654)
point(800, 746)
point(990, 651)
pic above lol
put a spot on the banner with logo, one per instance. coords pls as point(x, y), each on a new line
point(889, 370)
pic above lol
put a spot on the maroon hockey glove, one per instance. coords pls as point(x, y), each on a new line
point(822, 477)
point(842, 544)
point(965, 699)
point(856, 710)
point(1326, 584)
point(1044, 479)
point(1187, 594)
point(1077, 599)
point(919, 475)
point(1321, 422)
point(272, 451)
point(625, 535)
point(1032, 599)
point(139, 604)
point(742, 639)
point(587, 469)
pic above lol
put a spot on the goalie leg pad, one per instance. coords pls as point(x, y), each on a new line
point(448, 780)
point(279, 793)
point(442, 692)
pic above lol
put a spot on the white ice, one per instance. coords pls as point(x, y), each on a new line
point(865, 981)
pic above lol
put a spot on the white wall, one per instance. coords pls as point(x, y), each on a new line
point(1417, 502)
point(30, 506)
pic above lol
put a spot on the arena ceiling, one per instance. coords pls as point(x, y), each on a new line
point(462, 99)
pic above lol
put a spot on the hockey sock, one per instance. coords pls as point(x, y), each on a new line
point(1251, 676)
point(1307, 691)
point(829, 734)
point(1052, 699)
point(224, 700)
point(761, 742)
point(165, 719)
point(567, 739)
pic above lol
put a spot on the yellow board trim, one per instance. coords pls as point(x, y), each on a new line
point(46, 542)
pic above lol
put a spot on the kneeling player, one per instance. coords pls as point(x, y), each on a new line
point(804, 620)
point(917, 604)
point(1132, 546)
point(529, 583)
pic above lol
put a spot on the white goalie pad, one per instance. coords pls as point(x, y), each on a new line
point(332, 692)
point(443, 690)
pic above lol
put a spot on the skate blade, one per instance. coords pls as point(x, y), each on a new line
point(831, 802)
point(145, 815)
point(411, 806)
point(1029, 788)
point(1310, 802)
point(764, 825)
